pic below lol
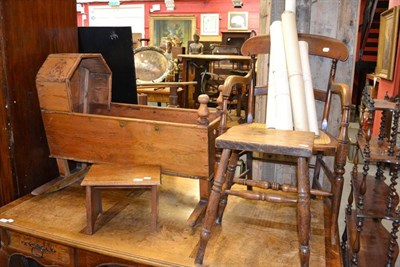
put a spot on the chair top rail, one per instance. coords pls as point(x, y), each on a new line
point(318, 46)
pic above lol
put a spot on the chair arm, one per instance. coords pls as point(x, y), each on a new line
point(232, 80)
point(343, 91)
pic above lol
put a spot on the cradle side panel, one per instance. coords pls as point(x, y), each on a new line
point(180, 149)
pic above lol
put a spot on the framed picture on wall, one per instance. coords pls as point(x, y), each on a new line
point(238, 21)
point(209, 24)
point(387, 45)
point(178, 29)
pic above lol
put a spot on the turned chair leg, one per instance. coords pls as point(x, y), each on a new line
point(304, 213)
point(230, 173)
point(337, 189)
point(212, 206)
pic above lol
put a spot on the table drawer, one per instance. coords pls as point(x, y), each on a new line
point(40, 249)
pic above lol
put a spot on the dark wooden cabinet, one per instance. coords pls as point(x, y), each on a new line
point(373, 199)
point(235, 38)
point(30, 30)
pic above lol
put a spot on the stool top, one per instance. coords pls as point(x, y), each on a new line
point(122, 175)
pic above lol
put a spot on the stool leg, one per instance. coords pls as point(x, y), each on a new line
point(93, 207)
point(230, 173)
point(212, 206)
point(304, 213)
point(154, 207)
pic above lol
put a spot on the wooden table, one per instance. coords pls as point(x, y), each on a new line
point(175, 94)
point(54, 225)
point(189, 63)
point(162, 95)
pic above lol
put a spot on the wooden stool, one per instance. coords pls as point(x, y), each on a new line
point(119, 176)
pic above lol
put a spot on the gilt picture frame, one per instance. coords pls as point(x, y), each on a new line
point(178, 29)
point(387, 44)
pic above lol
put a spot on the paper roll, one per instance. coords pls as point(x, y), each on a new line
point(308, 88)
point(295, 73)
point(283, 109)
point(290, 5)
point(270, 115)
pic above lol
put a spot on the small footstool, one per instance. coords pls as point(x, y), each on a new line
point(101, 176)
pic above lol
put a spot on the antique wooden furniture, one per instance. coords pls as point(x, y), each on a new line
point(172, 93)
point(194, 65)
point(326, 144)
point(83, 125)
point(245, 138)
point(171, 96)
point(109, 176)
point(235, 38)
point(372, 201)
point(260, 139)
point(50, 229)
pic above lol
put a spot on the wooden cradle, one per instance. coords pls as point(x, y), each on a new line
point(83, 125)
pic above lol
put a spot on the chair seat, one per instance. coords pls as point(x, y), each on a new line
point(255, 138)
point(325, 143)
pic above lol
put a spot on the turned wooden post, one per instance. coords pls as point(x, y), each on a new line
point(142, 99)
point(203, 111)
point(173, 97)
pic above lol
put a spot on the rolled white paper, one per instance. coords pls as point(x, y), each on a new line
point(295, 73)
point(290, 5)
point(283, 109)
point(308, 88)
point(270, 112)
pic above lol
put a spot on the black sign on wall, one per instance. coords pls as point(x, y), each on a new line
point(115, 45)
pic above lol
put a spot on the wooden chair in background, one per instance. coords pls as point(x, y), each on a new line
point(253, 137)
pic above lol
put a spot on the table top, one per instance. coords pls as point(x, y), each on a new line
point(164, 84)
point(125, 231)
point(214, 57)
point(158, 90)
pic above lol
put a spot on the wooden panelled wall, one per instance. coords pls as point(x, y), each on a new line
point(29, 31)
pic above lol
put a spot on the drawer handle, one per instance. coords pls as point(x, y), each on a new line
point(38, 250)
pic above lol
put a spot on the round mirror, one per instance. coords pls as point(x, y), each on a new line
point(151, 65)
